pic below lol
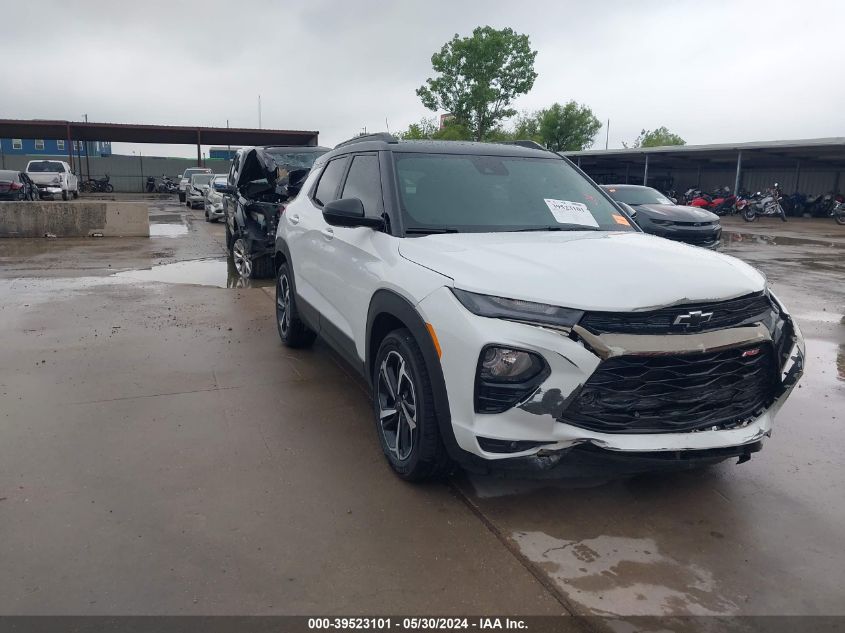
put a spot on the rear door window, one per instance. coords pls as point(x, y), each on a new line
point(330, 181)
point(364, 183)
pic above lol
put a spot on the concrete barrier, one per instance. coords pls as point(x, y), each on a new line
point(78, 218)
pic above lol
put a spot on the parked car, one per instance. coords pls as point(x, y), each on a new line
point(195, 191)
point(656, 214)
point(214, 198)
point(53, 178)
point(261, 181)
point(505, 313)
point(186, 179)
point(16, 185)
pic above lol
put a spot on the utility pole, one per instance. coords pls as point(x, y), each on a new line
point(259, 112)
point(228, 146)
point(607, 137)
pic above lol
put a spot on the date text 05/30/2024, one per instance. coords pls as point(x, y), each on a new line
point(416, 624)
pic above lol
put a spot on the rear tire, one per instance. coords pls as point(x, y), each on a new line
point(247, 265)
point(403, 407)
point(292, 331)
point(64, 195)
point(839, 217)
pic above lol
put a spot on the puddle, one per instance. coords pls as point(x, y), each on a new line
point(731, 237)
point(614, 575)
point(158, 229)
point(220, 273)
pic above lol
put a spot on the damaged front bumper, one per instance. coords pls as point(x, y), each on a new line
point(541, 429)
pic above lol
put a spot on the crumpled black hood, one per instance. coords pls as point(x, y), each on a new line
point(258, 165)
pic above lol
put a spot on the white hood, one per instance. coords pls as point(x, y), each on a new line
point(584, 270)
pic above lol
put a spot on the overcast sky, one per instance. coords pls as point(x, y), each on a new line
point(714, 71)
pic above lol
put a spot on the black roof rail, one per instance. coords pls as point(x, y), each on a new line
point(377, 136)
point(525, 143)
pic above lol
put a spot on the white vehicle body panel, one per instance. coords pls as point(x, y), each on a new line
point(585, 270)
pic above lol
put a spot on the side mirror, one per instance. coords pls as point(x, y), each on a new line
point(349, 212)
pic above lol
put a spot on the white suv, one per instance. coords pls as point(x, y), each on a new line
point(508, 314)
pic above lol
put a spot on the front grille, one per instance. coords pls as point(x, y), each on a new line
point(680, 223)
point(676, 393)
point(744, 310)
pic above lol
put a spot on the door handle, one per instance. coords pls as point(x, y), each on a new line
point(328, 234)
point(294, 219)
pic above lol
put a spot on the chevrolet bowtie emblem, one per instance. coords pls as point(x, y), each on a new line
point(693, 319)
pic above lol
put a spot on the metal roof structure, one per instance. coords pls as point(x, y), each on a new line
point(144, 133)
point(830, 151)
point(616, 165)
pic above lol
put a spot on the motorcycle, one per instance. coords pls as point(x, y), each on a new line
point(97, 185)
point(720, 202)
point(764, 205)
point(839, 213)
point(167, 185)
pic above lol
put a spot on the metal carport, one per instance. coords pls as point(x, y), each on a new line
point(808, 165)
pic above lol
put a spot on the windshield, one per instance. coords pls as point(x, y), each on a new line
point(288, 160)
point(637, 195)
point(201, 179)
point(194, 170)
point(46, 165)
point(221, 180)
point(471, 193)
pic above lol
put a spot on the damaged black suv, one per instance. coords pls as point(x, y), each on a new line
point(261, 181)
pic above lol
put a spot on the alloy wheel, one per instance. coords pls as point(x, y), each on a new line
point(397, 406)
point(240, 253)
point(283, 305)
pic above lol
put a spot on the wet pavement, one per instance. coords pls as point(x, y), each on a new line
point(161, 452)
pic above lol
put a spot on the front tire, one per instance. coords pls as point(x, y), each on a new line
point(181, 197)
point(749, 215)
point(839, 216)
point(64, 195)
point(403, 405)
point(292, 331)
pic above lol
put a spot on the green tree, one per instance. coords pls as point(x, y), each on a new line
point(527, 127)
point(424, 129)
point(479, 76)
point(657, 138)
point(569, 127)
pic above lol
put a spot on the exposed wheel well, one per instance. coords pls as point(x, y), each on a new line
point(383, 324)
point(278, 259)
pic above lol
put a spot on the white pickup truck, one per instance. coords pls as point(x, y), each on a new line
point(53, 177)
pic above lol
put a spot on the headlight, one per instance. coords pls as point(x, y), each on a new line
point(516, 309)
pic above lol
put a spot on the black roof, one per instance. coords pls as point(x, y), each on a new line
point(382, 141)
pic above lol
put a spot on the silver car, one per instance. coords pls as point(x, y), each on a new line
point(214, 199)
point(195, 191)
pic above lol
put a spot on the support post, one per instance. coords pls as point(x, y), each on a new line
point(69, 149)
point(797, 174)
point(199, 149)
point(738, 172)
point(645, 172)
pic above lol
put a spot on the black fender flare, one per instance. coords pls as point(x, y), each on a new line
point(388, 302)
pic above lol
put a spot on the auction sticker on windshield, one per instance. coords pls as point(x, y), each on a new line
point(567, 212)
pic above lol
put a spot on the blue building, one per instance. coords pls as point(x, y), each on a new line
point(51, 147)
point(222, 152)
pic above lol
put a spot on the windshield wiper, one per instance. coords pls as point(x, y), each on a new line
point(557, 227)
point(422, 230)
